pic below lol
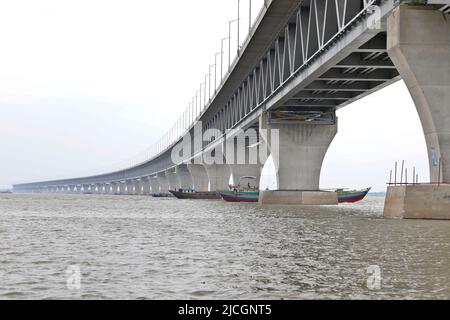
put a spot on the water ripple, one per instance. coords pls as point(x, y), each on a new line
point(145, 248)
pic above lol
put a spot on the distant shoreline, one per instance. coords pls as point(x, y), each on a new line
point(377, 194)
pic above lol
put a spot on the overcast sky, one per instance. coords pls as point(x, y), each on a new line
point(88, 84)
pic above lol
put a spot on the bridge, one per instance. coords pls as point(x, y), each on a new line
point(302, 61)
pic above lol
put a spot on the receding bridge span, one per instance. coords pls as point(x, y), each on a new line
point(302, 61)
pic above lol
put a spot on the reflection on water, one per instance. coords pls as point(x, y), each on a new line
point(140, 247)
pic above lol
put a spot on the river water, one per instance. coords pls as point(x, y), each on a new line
point(131, 247)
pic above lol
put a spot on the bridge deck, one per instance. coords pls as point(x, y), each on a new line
point(305, 58)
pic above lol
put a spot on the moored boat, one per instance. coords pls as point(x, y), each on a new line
point(240, 196)
point(351, 196)
point(162, 195)
point(238, 193)
point(197, 195)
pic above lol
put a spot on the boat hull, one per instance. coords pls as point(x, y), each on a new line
point(353, 197)
point(161, 195)
point(240, 196)
point(196, 195)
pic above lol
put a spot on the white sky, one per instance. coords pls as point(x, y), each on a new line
point(88, 84)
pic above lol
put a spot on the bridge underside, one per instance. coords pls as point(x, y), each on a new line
point(365, 70)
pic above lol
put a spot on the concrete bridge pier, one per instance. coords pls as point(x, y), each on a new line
point(184, 177)
point(122, 187)
point(130, 187)
point(219, 176)
point(172, 178)
point(199, 177)
point(107, 188)
point(419, 46)
point(298, 151)
point(239, 171)
point(115, 188)
point(145, 182)
point(101, 188)
point(137, 186)
point(154, 185)
point(163, 183)
point(244, 161)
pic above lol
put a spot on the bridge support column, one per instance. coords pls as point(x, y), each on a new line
point(107, 188)
point(163, 183)
point(115, 188)
point(85, 188)
point(130, 187)
point(298, 151)
point(122, 187)
point(101, 188)
point(419, 46)
point(199, 177)
point(184, 177)
point(172, 178)
point(137, 187)
point(219, 176)
point(145, 186)
point(154, 185)
point(239, 171)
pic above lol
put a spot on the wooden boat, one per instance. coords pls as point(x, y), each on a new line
point(351, 196)
point(198, 195)
point(162, 195)
point(238, 193)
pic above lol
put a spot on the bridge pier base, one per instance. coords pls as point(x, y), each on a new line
point(421, 201)
point(419, 46)
point(298, 154)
